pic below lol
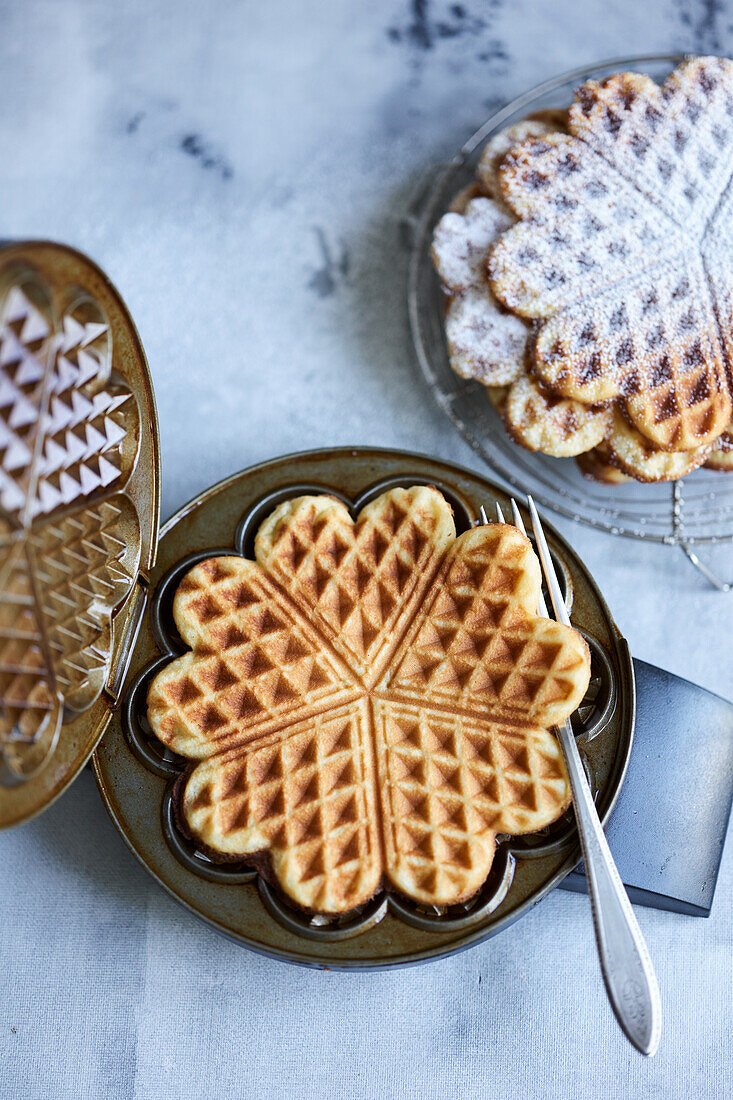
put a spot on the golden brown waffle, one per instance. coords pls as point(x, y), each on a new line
point(465, 195)
point(358, 582)
point(597, 466)
point(371, 699)
point(537, 125)
point(450, 784)
point(634, 455)
point(722, 461)
point(255, 663)
point(69, 540)
point(542, 421)
point(721, 457)
point(623, 251)
point(497, 395)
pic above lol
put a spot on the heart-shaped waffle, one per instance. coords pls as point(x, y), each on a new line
point(558, 426)
point(369, 699)
point(485, 341)
point(623, 248)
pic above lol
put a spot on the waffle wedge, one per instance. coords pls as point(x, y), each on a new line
point(719, 460)
point(633, 454)
point(368, 700)
point(485, 341)
point(461, 200)
point(721, 457)
point(597, 466)
point(559, 426)
point(536, 125)
point(497, 395)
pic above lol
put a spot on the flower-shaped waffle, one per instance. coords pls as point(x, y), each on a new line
point(623, 251)
point(69, 539)
point(369, 700)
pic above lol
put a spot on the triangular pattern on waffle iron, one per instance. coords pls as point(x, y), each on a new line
point(618, 252)
point(26, 331)
point(84, 425)
point(30, 707)
point(61, 428)
point(71, 538)
point(503, 676)
point(84, 565)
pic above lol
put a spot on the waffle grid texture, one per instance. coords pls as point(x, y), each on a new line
point(617, 255)
point(368, 700)
point(67, 550)
point(622, 250)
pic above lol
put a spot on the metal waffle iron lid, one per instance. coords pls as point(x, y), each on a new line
point(79, 508)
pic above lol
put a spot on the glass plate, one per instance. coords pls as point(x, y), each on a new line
point(694, 511)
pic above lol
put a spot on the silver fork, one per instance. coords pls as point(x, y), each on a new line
point(627, 969)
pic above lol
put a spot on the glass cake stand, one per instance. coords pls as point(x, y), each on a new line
point(690, 513)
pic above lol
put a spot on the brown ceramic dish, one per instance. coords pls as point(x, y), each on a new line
point(136, 775)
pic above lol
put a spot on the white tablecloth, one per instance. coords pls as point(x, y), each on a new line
point(239, 169)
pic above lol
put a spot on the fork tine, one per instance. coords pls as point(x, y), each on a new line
point(499, 513)
point(518, 521)
point(519, 524)
point(561, 611)
point(483, 515)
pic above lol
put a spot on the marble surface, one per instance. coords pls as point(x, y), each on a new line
point(240, 170)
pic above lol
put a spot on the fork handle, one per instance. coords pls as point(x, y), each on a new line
point(627, 970)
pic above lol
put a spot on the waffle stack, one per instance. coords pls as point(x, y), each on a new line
point(368, 701)
point(587, 276)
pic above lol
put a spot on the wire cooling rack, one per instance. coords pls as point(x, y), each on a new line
point(690, 513)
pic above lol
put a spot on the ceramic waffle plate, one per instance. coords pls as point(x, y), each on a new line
point(136, 774)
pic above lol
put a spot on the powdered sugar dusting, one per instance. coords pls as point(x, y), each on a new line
point(583, 228)
point(545, 122)
point(673, 143)
point(624, 247)
point(484, 341)
point(461, 243)
point(638, 458)
point(556, 426)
